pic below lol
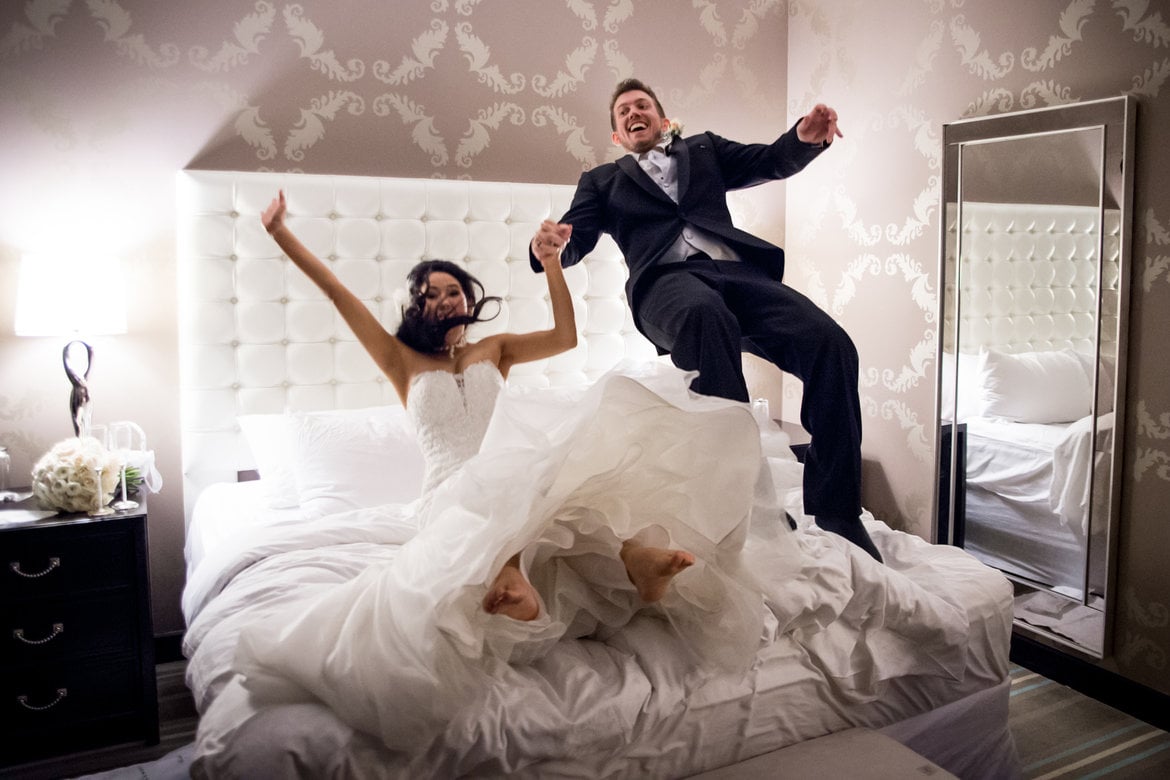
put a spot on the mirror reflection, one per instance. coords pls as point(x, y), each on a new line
point(1031, 356)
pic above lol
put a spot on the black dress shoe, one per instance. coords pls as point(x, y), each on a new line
point(852, 529)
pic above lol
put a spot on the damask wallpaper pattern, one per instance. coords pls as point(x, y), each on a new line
point(101, 101)
point(877, 214)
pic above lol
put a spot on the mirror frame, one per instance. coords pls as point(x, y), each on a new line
point(1115, 117)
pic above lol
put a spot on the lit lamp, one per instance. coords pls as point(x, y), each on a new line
point(78, 296)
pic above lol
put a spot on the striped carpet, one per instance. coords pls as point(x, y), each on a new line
point(1060, 733)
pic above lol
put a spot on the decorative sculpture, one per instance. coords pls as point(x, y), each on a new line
point(78, 397)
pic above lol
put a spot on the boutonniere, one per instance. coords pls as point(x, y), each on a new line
point(671, 129)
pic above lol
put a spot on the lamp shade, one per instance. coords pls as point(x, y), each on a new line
point(58, 296)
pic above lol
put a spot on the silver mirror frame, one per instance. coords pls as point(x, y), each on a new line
point(1115, 117)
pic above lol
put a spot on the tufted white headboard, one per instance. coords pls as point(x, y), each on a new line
point(1031, 280)
point(255, 336)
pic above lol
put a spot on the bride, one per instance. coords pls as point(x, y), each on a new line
point(543, 517)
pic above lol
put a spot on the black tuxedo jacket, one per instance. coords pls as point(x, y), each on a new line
point(620, 199)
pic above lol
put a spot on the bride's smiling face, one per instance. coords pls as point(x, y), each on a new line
point(444, 297)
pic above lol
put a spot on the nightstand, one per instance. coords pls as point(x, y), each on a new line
point(76, 634)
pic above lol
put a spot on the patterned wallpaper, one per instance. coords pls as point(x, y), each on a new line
point(865, 235)
point(102, 100)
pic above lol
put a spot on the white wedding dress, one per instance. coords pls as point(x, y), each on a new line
point(561, 478)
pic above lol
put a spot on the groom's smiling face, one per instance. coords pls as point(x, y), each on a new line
point(637, 123)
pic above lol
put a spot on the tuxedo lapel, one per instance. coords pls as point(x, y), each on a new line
point(630, 167)
point(682, 156)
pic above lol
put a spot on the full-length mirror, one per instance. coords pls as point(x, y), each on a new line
point(1034, 279)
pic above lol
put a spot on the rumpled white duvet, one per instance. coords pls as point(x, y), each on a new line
point(849, 643)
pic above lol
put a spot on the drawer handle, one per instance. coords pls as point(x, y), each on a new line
point(53, 563)
point(57, 629)
point(61, 694)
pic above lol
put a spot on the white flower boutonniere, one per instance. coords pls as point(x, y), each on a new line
point(671, 129)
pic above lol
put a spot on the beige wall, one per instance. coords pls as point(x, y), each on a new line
point(101, 102)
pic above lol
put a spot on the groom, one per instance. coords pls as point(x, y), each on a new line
point(703, 290)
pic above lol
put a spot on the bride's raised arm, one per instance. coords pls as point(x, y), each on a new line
point(562, 336)
point(395, 359)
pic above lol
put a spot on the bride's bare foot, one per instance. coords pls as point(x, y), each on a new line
point(651, 569)
point(512, 595)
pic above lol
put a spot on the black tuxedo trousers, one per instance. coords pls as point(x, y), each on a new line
point(704, 312)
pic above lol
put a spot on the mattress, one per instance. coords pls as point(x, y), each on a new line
point(615, 708)
point(1027, 500)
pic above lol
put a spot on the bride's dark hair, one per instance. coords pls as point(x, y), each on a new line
point(430, 335)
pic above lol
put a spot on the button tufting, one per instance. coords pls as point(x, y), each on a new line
point(284, 300)
point(234, 257)
point(379, 217)
point(233, 300)
point(235, 385)
point(234, 214)
point(235, 343)
point(284, 342)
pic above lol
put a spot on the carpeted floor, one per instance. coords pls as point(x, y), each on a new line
point(1059, 733)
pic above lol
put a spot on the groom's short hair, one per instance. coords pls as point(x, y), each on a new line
point(631, 85)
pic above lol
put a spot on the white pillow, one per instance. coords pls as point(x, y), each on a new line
point(1035, 387)
point(321, 456)
point(267, 437)
point(354, 458)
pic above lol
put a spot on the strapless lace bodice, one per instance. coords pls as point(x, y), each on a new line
point(450, 414)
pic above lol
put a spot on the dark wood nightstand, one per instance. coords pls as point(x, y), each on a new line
point(76, 634)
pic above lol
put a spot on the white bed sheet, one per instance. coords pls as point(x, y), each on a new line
point(590, 708)
point(1042, 469)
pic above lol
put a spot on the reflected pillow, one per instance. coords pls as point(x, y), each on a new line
point(1035, 387)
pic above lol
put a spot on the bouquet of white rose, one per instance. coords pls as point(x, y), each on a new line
point(66, 477)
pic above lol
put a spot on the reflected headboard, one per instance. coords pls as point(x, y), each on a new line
point(1031, 283)
point(255, 336)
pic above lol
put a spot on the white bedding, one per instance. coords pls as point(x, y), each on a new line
point(1043, 469)
point(592, 708)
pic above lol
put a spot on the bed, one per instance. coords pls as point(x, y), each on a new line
point(262, 353)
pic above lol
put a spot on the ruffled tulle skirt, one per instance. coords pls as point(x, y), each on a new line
point(561, 480)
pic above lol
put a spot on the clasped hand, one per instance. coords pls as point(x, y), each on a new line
point(549, 240)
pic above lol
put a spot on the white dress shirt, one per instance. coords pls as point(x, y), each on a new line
point(663, 169)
